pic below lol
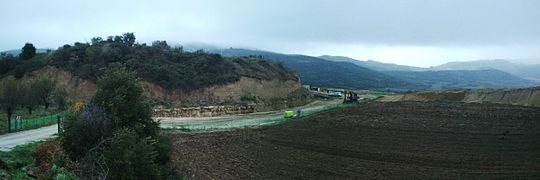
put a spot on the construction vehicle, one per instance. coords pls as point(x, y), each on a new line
point(350, 96)
point(288, 114)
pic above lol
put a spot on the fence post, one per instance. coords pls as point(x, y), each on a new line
point(58, 119)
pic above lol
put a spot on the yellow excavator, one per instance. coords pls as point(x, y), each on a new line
point(350, 96)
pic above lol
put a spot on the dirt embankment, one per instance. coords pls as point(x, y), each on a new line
point(77, 88)
point(82, 89)
point(245, 87)
point(523, 97)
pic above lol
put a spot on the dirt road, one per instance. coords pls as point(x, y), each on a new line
point(240, 119)
point(399, 140)
point(8, 141)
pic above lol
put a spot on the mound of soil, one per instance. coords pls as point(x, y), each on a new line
point(522, 97)
point(399, 140)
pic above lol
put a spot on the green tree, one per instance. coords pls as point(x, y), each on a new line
point(96, 40)
point(9, 97)
point(118, 39)
point(28, 51)
point(129, 38)
point(161, 45)
point(44, 88)
point(120, 94)
point(138, 160)
point(60, 98)
point(29, 95)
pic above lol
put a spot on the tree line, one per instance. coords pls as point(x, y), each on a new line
point(29, 94)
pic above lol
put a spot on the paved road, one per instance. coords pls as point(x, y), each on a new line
point(8, 141)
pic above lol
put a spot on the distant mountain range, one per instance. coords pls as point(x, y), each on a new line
point(526, 71)
point(446, 79)
point(339, 71)
point(320, 72)
point(375, 65)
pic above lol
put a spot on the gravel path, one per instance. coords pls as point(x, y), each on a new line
point(9, 141)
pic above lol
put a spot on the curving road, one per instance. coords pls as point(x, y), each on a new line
point(9, 141)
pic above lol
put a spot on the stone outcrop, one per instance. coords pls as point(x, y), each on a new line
point(206, 111)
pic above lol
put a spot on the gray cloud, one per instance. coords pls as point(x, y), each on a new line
point(278, 25)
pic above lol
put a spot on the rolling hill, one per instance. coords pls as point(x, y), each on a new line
point(527, 71)
point(321, 72)
point(490, 78)
point(375, 65)
point(470, 74)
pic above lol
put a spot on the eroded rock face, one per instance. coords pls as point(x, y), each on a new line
point(245, 87)
point(77, 88)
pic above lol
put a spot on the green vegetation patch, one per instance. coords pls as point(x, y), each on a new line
point(16, 163)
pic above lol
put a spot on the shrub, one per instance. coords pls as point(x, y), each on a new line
point(115, 137)
point(125, 155)
point(121, 96)
point(47, 158)
point(84, 129)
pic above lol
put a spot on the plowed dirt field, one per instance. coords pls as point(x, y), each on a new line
point(397, 140)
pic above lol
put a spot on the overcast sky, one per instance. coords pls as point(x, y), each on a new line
point(411, 32)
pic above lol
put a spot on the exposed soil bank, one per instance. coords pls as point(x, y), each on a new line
point(523, 97)
point(82, 89)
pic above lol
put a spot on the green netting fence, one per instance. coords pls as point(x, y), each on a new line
point(32, 123)
point(254, 122)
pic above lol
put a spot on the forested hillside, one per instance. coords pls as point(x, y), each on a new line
point(171, 68)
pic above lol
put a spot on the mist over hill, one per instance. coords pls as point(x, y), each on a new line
point(371, 64)
point(527, 71)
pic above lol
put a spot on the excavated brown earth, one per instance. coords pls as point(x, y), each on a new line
point(398, 140)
